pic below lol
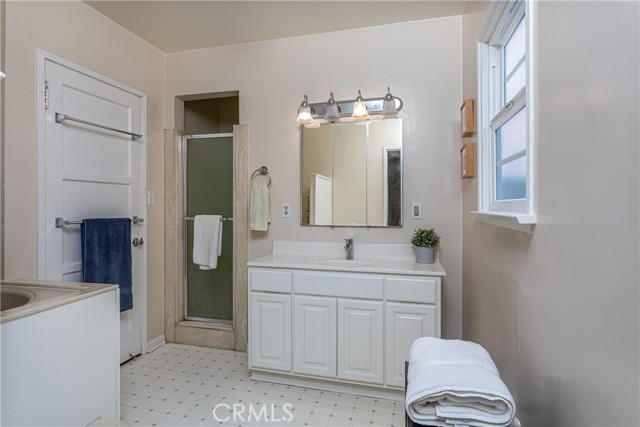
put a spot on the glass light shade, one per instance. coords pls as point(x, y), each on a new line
point(304, 116)
point(389, 110)
point(333, 112)
point(360, 111)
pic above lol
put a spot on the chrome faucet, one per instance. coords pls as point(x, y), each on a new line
point(348, 248)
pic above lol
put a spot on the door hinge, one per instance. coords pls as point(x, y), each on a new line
point(46, 94)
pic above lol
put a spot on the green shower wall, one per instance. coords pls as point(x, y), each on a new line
point(210, 192)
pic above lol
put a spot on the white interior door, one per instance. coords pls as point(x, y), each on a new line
point(91, 173)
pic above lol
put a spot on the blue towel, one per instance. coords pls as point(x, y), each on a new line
point(106, 255)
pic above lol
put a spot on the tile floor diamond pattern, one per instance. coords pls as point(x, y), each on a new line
point(180, 385)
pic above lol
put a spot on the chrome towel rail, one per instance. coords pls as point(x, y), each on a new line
point(61, 222)
point(224, 218)
point(262, 170)
point(63, 117)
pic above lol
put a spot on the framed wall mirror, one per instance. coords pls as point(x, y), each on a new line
point(351, 174)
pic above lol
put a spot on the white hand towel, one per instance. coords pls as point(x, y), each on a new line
point(207, 241)
point(454, 382)
point(259, 217)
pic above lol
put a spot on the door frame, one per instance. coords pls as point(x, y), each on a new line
point(43, 57)
point(183, 153)
point(177, 329)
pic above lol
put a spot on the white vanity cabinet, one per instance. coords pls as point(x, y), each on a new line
point(338, 330)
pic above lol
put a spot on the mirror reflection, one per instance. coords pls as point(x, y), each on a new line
point(351, 174)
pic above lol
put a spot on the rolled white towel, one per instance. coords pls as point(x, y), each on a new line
point(454, 382)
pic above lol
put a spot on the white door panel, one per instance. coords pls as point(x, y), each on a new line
point(404, 323)
point(90, 173)
point(360, 340)
point(315, 336)
point(270, 331)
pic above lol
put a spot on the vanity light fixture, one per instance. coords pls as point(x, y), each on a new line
point(304, 113)
point(360, 111)
point(2, 75)
point(333, 112)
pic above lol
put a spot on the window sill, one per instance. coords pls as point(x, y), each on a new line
point(513, 221)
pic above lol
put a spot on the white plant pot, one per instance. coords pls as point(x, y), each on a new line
point(425, 255)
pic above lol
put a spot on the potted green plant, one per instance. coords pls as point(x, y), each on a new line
point(426, 241)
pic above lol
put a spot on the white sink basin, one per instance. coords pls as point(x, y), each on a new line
point(349, 263)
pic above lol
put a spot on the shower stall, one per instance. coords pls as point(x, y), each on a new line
point(208, 190)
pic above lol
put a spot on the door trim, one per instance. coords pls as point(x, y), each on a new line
point(43, 57)
point(176, 328)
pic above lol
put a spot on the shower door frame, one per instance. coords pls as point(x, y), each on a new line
point(224, 324)
point(177, 328)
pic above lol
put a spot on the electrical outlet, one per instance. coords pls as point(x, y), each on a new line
point(416, 210)
point(286, 210)
point(151, 198)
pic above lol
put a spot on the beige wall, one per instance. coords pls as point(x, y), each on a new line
point(559, 310)
point(3, 38)
point(76, 32)
point(422, 63)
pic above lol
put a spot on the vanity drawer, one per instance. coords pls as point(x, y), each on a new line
point(412, 289)
point(339, 285)
point(270, 280)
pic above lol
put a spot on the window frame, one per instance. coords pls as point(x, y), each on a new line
point(503, 18)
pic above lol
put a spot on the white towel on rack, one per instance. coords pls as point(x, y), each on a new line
point(207, 240)
point(259, 214)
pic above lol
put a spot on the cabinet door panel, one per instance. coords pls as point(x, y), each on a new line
point(404, 323)
point(314, 350)
point(360, 338)
point(270, 335)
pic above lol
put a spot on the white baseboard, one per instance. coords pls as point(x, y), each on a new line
point(155, 343)
point(336, 386)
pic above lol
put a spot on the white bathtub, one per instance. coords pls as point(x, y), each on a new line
point(60, 353)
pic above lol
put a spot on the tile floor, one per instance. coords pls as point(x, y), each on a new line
point(180, 385)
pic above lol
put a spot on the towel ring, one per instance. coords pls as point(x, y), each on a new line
point(262, 170)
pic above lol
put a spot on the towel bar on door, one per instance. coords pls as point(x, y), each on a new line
point(61, 222)
point(64, 117)
point(262, 170)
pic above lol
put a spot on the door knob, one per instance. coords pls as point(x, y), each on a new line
point(138, 242)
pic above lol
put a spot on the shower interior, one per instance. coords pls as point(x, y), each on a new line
point(207, 155)
point(208, 184)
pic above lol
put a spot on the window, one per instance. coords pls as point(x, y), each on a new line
point(504, 115)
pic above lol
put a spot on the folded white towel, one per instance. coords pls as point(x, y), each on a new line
point(259, 217)
point(207, 241)
point(454, 382)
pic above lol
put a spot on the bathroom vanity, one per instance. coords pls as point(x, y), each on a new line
point(60, 353)
point(318, 320)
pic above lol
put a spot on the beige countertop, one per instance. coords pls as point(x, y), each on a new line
point(49, 294)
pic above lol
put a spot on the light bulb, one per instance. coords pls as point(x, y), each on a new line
point(360, 111)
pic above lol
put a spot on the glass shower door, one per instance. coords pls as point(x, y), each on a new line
point(208, 190)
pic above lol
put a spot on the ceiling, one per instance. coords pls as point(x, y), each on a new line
point(174, 26)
